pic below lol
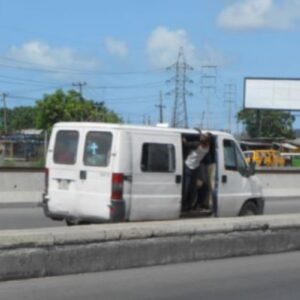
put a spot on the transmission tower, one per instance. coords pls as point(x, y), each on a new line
point(208, 89)
point(161, 107)
point(230, 98)
point(179, 115)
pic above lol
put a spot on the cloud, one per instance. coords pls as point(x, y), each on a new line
point(258, 14)
point(212, 56)
point(116, 47)
point(163, 46)
point(46, 57)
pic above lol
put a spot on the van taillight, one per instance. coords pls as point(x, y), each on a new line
point(117, 186)
point(46, 179)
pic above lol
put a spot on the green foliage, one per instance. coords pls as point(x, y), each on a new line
point(57, 107)
point(22, 117)
point(61, 106)
point(273, 123)
point(18, 118)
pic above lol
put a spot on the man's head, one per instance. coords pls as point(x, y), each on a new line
point(205, 139)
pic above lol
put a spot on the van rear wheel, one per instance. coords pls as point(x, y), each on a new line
point(74, 222)
point(249, 209)
point(71, 222)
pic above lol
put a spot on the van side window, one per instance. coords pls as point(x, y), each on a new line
point(65, 149)
point(97, 149)
point(158, 158)
point(230, 162)
point(233, 158)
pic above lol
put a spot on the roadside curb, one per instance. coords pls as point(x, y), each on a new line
point(62, 250)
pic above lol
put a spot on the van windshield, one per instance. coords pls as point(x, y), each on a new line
point(65, 148)
point(97, 149)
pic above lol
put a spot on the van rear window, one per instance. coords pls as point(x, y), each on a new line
point(97, 148)
point(65, 149)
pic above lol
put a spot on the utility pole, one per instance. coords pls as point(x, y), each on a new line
point(160, 106)
point(230, 97)
point(4, 95)
point(180, 116)
point(258, 122)
point(80, 85)
point(208, 89)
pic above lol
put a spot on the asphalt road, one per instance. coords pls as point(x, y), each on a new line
point(258, 277)
point(25, 218)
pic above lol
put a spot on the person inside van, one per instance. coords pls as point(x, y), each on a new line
point(63, 154)
point(196, 152)
point(206, 176)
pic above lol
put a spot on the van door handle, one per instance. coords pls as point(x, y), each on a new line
point(224, 178)
point(82, 175)
point(178, 179)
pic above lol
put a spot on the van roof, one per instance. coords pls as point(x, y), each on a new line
point(133, 127)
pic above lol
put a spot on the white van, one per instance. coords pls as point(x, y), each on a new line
point(100, 172)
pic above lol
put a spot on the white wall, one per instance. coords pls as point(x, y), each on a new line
point(21, 186)
point(281, 191)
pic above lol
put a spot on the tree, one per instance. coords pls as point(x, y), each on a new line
point(22, 117)
point(70, 106)
point(272, 123)
point(18, 118)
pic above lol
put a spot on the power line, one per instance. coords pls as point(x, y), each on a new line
point(44, 68)
point(141, 85)
point(40, 89)
point(142, 97)
point(29, 80)
point(21, 97)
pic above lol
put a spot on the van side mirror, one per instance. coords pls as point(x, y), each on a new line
point(248, 170)
point(252, 168)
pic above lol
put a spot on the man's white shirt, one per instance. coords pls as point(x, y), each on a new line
point(194, 158)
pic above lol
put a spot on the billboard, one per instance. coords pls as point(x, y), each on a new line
point(272, 93)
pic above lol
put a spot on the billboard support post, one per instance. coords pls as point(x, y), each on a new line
point(258, 123)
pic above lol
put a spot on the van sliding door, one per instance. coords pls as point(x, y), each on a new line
point(156, 178)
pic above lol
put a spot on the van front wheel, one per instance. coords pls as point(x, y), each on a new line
point(249, 209)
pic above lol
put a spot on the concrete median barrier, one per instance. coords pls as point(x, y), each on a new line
point(21, 187)
point(61, 251)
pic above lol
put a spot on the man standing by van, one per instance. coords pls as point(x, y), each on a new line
point(196, 152)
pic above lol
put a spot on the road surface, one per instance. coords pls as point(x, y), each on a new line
point(25, 218)
point(273, 277)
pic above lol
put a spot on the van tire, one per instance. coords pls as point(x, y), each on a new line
point(249, 209)
point(71, 222)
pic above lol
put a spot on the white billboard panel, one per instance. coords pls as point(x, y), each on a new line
point(272, 93)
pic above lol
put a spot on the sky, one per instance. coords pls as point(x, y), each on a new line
point(122, 51)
